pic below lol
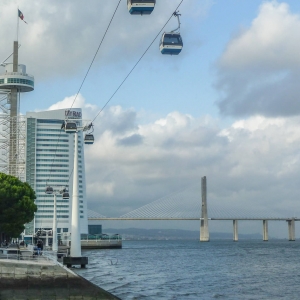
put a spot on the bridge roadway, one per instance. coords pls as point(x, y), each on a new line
point(188, 219)
point(290, 221)
point(203, 218)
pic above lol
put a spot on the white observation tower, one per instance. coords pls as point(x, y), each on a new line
point(13, 81)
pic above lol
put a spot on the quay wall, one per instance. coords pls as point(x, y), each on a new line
point(45, 280)
point(101, 244)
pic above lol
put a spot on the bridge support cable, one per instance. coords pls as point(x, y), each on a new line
point(185, 204)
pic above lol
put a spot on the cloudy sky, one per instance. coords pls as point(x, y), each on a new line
point(227, 107)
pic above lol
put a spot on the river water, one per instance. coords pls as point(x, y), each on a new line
point(193, 270)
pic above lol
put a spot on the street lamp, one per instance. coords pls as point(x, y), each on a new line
point(56, 191)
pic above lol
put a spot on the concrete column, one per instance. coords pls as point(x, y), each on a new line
point(75, 229)
point(13, 135)
point(204, 232)
point(265, 230)
point(235, 231)
point(16, 56)
point(291, 227)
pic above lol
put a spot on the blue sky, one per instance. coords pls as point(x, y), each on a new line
point(193, 73)
point(227, 107)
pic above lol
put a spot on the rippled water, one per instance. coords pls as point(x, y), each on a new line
point(194, 270)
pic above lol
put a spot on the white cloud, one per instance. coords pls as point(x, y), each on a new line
point(89, 110)
point(253, 163)
point(258, 73)
point(250, 164)
point(61, 38)
point(272, 41)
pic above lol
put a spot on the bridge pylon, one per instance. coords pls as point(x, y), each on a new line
point(204, 232)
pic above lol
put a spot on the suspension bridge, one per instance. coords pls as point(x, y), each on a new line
point(190, 205)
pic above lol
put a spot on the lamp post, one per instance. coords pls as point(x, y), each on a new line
point(55, 191)
point(54, 228)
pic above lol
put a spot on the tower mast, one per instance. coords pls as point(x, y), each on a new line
point(13, 81)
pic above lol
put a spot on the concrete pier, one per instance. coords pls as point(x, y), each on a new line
point(291, 227)
point(101, 244)
point(204, 232)
point(265, 230)
point(45, 279)
point(235, 231)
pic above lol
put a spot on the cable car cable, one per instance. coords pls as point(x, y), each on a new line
point(136, 64)
point(133, 68)
point(87, 75)
point(95, 54)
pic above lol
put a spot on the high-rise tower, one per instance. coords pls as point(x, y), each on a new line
point(13, 81)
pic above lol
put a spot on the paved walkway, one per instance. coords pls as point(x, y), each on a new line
point(45, 280)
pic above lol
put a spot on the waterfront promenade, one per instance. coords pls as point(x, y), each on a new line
point(45, 279)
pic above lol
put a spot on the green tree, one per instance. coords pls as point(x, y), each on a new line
point(16, 205)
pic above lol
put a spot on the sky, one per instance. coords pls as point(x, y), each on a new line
point(226, 107)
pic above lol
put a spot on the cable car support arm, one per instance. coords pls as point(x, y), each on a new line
point(176, 14)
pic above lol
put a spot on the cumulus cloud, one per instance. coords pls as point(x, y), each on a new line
point(258, 73)
point(253, 163)
point(61, 38)
point(76, 101)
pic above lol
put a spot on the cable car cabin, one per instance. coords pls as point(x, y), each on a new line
point(65, 195)
point(89, 139)
point(171, 43)
point(140, 7)
point(49, 190)
point(70, 127)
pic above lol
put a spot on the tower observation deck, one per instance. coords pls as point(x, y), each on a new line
point(13, 81)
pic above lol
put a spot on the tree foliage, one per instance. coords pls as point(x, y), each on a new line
point(16, 205)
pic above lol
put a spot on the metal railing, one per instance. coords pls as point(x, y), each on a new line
point(17, 73)
point(30, 257)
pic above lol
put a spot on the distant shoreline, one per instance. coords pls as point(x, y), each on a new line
point(174, 234)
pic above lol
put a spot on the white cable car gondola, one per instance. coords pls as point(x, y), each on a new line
point(49, 190)
point(65, 194)
point(140, 7)
point(69, 126)
point(171, 42)
point(89, 139)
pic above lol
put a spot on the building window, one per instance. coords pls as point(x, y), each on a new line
point(65, 229)
point(49, 121)
point(52, 140)
point(52, 145)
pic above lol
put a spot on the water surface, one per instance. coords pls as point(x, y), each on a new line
point(193, 270)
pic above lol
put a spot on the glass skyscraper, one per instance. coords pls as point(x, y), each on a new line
point(49, 162)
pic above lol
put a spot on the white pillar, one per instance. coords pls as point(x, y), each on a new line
point(54, 228)
point(75, 231)
point(291, 226)
point(235, 231)
point(204, 232)
point(265, 230)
